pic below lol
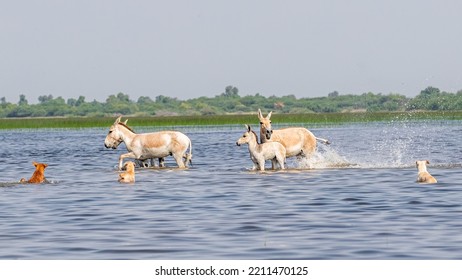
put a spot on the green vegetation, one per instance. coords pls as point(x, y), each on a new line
point(170, 121)
point(230, 102)
point(229, 108)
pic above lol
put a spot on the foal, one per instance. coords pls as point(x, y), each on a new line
point(259, 153)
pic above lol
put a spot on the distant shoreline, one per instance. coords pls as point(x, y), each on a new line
point(231, 119)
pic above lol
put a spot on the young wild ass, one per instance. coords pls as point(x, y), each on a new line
point(259, 153)
point(423, 175)
point(298, 141)
point(39, 174)
point(149, 145)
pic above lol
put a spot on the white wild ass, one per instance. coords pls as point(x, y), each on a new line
point(259, 153)
point(147, 162)
point(298, 141)
point(149, 145)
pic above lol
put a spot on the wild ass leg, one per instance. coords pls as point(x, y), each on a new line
point(149, 162)
point(179, 160)
point(281, 162)
point(273, 164)
point(121, 158)
point(161, 162)
point(141, 163)
point(254, 162)
point(261, 165)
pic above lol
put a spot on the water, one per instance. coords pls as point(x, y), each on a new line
point(360, 200)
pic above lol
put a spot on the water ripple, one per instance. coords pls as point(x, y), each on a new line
point(361, 201)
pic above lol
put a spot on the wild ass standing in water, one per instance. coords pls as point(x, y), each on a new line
point(259, 153)
point(147, 162)
point(149, 145)
point(298, 141)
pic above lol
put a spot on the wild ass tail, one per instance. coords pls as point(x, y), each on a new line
point(188, 157)
point(322, 140)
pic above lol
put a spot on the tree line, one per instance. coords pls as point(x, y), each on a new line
point(230, 102)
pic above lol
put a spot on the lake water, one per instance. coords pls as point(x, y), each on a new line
point(359, 200)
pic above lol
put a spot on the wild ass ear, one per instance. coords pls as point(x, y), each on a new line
point(248, 127)
point(118, 120)
point(260, 116)
point(126, 121)
point(269, 115)
point(428, 162)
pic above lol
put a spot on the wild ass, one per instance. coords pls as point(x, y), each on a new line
point(147, 162)
point(298, 141)
point(259, 153)
point(149, 145)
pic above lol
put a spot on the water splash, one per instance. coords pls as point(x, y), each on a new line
point(395, 145)
point(324, 157)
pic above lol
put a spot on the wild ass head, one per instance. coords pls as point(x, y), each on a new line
point(265, 125)
point(247, 137)
point(113, 138)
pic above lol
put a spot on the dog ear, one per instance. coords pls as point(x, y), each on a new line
point(45, 165)
point(34, 163)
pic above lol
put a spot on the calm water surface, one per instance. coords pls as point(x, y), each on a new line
point(359, 200)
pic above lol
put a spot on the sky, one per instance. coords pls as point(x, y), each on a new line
point(191, 48)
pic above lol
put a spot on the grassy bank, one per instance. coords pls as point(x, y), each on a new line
point(326, 118)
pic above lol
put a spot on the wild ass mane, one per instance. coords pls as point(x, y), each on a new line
point(254, 133)
point(126, 126)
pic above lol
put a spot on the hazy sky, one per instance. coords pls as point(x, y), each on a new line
point(192, 48)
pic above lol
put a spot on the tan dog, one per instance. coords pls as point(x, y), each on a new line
point(129, 175)
point(424, 176)
point(39, 174)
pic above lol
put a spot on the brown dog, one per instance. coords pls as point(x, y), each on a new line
point(129, 175)
point(424, 176)
point(39, 174)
